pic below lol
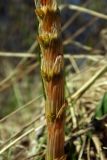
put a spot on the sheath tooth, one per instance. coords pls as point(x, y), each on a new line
point(58, 65)
point(39, 12)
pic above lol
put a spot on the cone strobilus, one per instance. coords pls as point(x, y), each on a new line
point(52, 71)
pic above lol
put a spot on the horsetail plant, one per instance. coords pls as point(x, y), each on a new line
point(52, 71)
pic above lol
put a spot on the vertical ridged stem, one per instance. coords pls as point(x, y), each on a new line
point(52, 66)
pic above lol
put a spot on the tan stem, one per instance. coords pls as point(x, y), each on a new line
point(52, 66)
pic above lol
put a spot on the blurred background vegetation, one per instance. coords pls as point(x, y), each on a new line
point(20, 80)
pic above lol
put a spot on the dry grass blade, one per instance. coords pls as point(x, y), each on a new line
point(41, 154)
point(17, 55)
point(82, 56)
point(16, 140)
point(98, 147)
point(85, 10)
point(87, 48)
point(70, 21)
point(20, 108)
point(15, 71)
point(82, 148)
point(85, 87)
point(20, 138)
point(19, 76)
point(88, 150)
point(21, 131)
point(78, 44)
point(81, 132)
point(79, 31)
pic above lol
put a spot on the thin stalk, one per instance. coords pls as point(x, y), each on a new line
point(52, 66)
